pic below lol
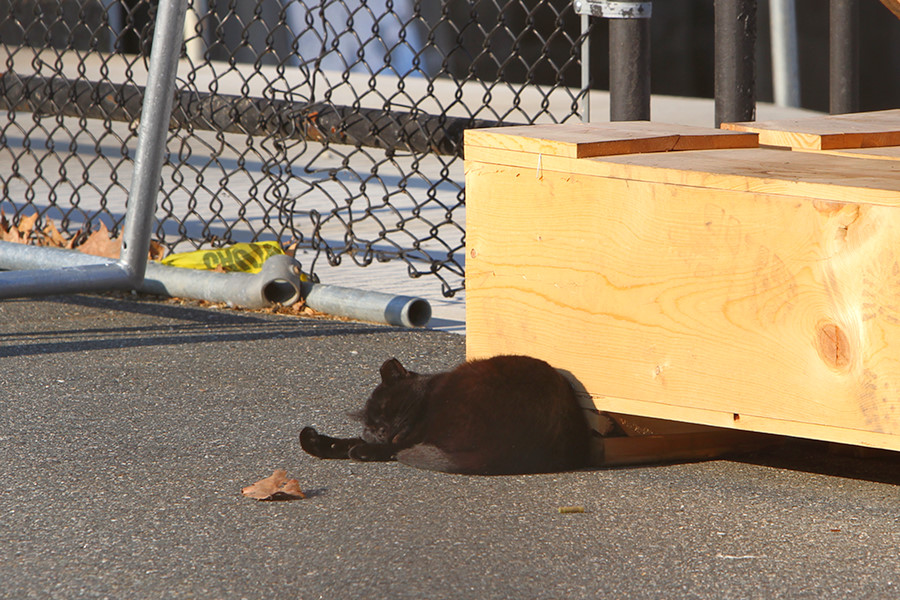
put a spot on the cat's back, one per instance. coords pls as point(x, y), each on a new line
point(507, 414)
point(509, 379)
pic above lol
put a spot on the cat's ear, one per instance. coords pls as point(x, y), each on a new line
point(392, 369)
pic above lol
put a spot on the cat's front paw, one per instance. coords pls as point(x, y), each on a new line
point(310, 441)
point(365, 452)
point(323, 446)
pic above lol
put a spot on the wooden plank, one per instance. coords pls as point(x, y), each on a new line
point(758, 170)
point(746, 422)
point(582, 140)
point(619, 451)
point(725, 307)
point(856, 130)
point(636, 425)
point(882, 153)
point(893, 6)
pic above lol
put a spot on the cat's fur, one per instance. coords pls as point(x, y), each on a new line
point(502, 415)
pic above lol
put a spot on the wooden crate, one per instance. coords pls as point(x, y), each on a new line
point(739, 287)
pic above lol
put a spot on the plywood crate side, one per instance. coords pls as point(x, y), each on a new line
point(736, 421)
point(702, 300)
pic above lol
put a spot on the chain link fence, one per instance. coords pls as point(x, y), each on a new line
point(336, 125)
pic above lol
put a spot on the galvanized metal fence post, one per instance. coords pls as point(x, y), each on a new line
point(785, 53)
point(585, 67)
point(128, 271)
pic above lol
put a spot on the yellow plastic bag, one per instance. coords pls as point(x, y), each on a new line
point(248, 258)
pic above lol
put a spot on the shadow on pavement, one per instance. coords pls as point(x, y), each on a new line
point(166, 325)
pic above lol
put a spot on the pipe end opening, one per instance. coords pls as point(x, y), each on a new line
point(418, 312)
point(281, 291)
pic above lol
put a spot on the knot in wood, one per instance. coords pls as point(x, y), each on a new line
point(833, 345)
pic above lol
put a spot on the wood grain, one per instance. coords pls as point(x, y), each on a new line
point(893, 6)
point(881, 153)
point(758, 170)
point(583, 140)
point(856, 130)
point(755, 307)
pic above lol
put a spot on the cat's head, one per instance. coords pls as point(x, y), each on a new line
point(393, 409)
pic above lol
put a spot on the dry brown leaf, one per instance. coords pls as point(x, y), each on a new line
point(99, 243)
point(26, 225)
point(157, 250)
point(275, 487)
point(4, 225)
point(70, 245)
point(9, 232)
point(11, 235)
point(52, 236)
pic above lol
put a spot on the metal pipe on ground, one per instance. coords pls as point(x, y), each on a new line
point(401, 311)
point(277, 283)
point(64, 280)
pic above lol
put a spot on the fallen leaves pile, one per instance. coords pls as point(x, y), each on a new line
point(275, 487)
point(96, 243)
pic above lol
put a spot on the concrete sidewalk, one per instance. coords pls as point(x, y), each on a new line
point(128, 428)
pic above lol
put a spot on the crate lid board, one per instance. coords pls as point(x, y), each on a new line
point(819, 175)
point(587, 140)
point(893, 6)
point(764, 170)
point(855, 130)
point(882, 153)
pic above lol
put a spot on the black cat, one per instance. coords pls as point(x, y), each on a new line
point(502, 415)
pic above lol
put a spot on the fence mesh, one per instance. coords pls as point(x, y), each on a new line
point(335, 125)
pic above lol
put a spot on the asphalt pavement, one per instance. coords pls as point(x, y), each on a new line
point(128, 428)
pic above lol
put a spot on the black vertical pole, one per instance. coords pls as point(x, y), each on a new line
point(629, 69)
point(843, 53)
point(735, 70)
